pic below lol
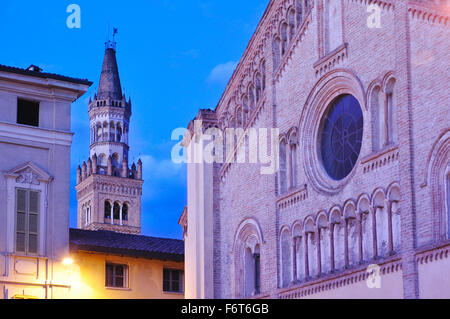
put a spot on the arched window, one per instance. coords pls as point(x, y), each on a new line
point(99, 133)
point(377, 115)
point(282, 179)
point(263, 73)
point(125, 212)
point(299, 250)
point(339, 240)
point(394, 201)
point(247, 254)
point(102, 160)
point(312, 254)
point(252, 272)
point(366, 229)
point(112, 132)
point(116, 211)
point(291, 21)
point(333, 25)
point(258, 86)
point(299, 12)
point(284, 38)
point(107, 210)
point(324, 242)
point(352, 234)
point(105, 132)
point(391, 127)
point(311, 261)
point(384, 128)
point(276, 46)
point(119, 134)
point(246, 109)
point(239, 117)
point(382, 224)
point(116, 160)
point(286, 258)
point(251, 97)
point(292, 166)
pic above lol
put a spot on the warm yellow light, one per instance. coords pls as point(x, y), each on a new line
point(67, 261)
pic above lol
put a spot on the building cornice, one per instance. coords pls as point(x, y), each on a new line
point(35, 134)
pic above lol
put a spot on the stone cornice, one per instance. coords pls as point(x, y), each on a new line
point(48, 87)
point(109, 143)
point(119, 185)
point(35, 134)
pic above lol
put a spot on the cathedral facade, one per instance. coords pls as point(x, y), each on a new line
point(359, 206)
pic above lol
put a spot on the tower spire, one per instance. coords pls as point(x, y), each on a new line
point(110, 87)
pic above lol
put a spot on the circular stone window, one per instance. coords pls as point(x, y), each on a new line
point(341, 137)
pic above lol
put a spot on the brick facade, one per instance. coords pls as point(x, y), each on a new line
point(388, 211)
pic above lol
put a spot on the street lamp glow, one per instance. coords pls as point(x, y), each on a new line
point(67, 261)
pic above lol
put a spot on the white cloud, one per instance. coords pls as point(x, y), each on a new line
point(161, 176)
point(160, 169)
point(222, 73)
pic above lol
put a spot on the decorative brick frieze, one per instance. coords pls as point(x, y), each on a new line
point(124, 229)
point(428, 13)
point(380, 159)
point(432, 254)
point(293, 199)
point(331, 60)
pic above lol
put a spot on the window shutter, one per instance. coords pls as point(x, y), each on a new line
point(27, 221)
point(33, 222)
point(32, 244)
point(34, 202)
point(21, 206)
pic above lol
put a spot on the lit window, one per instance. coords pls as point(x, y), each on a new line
point(116, 276)
point(341, 137)
point(172, 280)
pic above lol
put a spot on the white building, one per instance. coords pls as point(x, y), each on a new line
point(35, 141)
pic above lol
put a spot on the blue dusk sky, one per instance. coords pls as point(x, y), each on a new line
point(174, 58)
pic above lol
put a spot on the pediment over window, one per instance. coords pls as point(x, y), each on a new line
point(29, 173)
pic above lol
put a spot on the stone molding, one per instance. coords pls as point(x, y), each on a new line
point(293, 199)
point(379, 159)
point(35, 134)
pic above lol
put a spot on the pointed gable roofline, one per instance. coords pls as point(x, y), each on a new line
point(35, 173)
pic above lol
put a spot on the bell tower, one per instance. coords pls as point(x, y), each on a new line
point(108, 191)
